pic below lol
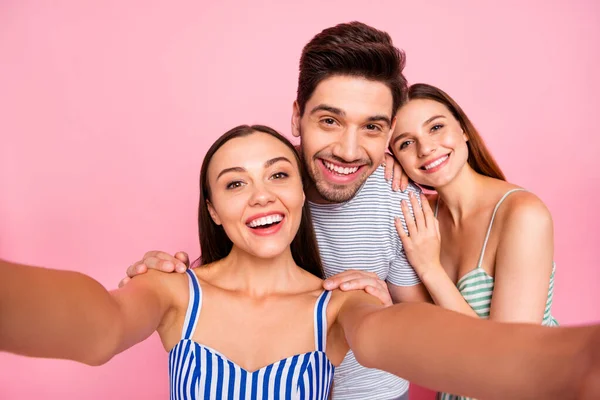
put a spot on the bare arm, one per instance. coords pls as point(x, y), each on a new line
point(409, 294)
point(64, 314)
point(450, 352)
point(421, 240)
point(524, 260)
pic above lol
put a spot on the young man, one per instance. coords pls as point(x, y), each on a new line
point(349, 88)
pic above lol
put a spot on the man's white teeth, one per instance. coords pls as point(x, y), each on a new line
point(340, 170)
point(271, 219)
point(436, 163)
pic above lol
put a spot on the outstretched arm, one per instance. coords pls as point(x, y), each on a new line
point(454, 353)
point(65, 314)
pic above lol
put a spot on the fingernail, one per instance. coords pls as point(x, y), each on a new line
point(403, 188)
point(395, 187)
point(138, 268)
point(345, 285)
point(180, 267)
point(168, 265)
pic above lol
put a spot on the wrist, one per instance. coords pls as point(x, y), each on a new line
point(432, 274)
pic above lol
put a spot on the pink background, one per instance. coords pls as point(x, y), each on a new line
point(106, 109)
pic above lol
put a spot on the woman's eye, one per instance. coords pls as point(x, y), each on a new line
point(437, 127)
point(404, 144)
point(234, 185)
point(279, 175)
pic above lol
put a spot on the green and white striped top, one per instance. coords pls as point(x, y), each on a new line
point(477, 288)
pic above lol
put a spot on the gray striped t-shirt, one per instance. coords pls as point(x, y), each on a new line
point(360, 234)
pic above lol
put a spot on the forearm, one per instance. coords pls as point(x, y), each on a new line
point(444, 292)
point(55, 314)
point(450, 352)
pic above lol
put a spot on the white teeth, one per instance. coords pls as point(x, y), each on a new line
point(265, 220)
point(340, 170)
point(436, 163)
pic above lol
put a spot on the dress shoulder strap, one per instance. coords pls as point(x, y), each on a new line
point(487, 235)
point(321, 321)
point(194, 306)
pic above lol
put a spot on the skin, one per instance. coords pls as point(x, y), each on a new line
point(53, 320)
point(444, 250)
point(348, 122)
point(45, 312)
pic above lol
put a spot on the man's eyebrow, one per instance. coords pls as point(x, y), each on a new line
point(331, 109)
point(342, 113)
point(380, 118)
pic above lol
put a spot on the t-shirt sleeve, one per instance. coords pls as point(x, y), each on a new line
point(401, 273)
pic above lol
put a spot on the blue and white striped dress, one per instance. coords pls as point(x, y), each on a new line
point(200, 372)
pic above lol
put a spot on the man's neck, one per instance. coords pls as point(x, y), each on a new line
point(313, 195)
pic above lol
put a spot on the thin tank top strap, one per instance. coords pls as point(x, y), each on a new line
point(437, 206)
point(194, 306)
point(487, 235)
point(321, 321)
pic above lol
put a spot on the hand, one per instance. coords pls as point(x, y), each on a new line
point(360, 280)
point(160, 261)
point(395, 171)
point(422, 243)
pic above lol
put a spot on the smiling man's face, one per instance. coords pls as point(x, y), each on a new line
point(344, 131)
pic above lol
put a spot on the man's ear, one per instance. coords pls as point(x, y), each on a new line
point(296, 119)
point(213, 213)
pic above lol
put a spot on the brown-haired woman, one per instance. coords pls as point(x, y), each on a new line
point(489, 253)
point(255, 322)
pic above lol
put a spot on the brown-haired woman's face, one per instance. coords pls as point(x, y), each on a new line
point(256, 193)
point(429, 142)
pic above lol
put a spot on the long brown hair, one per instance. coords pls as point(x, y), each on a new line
point(214, 242)
point(480, 158)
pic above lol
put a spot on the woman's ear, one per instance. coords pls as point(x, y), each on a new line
point(213, 213)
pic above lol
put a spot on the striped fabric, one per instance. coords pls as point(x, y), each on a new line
point(200, 372)
point(360, 234)
point(477, 288)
